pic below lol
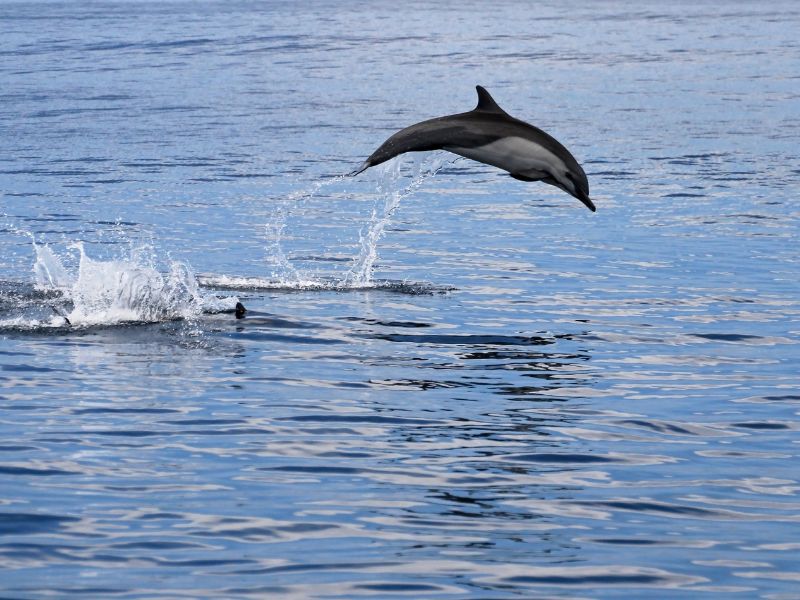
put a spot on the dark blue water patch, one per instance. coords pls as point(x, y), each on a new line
point(359, 419)
point(31, 471)
point(129, 433)
point(111, 410)
point(664, 508)
point(21, 407)
point(345, 454)
point(556, 458)
point(319, 567)
point(683, 195)
point(263, 591)
point(11, 448)
point(352, 385)
point(166, 433)
point(464, 340)
point(661, 427)
point(160, 45)
point(159, 516)
point(201, 562)
point(532, 393)
point(39, 551)
point(239, 529)
point(21, 195)
point(257, 431)
point(755, 217)
point(71, 112)
point(382, 323)
point(611, 579)
point(423, 384)
point(401, 588)
point(518, 355)
point(755, 425)
point(205, 422)
point(727, 337)
point(13, 523)
point(157, 545)
point(320, 431)
point(318, 469)
point(178, 108)
point(51, 217)
point(789, 397)
point(629, 542)
point(27, 369)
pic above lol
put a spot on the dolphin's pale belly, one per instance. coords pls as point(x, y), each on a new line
point(515, 155)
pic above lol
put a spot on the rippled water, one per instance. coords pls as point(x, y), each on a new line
point(448, 384)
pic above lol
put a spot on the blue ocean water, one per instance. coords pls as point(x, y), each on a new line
point(448, 384)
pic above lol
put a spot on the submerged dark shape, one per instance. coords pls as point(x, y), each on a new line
point(490, 135)
point(240, 310)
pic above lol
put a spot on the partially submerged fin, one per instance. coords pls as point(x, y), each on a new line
point(61, 314)
point(240, 310)
point(486, 103)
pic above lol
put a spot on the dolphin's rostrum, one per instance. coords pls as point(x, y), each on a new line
point(490, 135)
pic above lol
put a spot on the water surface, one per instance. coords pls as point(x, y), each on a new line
point(449, 384)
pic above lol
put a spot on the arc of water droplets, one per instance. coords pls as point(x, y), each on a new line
point(275, 226)
point(360, 274)
point(389, 197)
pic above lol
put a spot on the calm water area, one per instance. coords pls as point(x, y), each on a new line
point(449, 383)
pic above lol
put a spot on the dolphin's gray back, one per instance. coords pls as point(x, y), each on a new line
point(433, 134)
point(471, 129)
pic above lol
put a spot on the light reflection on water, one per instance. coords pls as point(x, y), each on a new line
point(529, 400)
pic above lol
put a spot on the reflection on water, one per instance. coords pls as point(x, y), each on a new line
point(454, 386)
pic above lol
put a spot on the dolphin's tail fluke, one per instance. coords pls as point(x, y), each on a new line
point(366, 165)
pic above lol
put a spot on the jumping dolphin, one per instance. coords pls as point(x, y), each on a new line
point(490, 135)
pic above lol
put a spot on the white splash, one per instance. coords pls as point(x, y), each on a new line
point(125, 289)
point(48, 270)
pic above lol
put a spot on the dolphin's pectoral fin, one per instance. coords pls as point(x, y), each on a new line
point(529, 175)
point(522, 177)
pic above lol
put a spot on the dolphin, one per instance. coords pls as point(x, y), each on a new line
point(490, 135)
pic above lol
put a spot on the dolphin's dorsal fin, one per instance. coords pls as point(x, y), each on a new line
point(486, 103)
